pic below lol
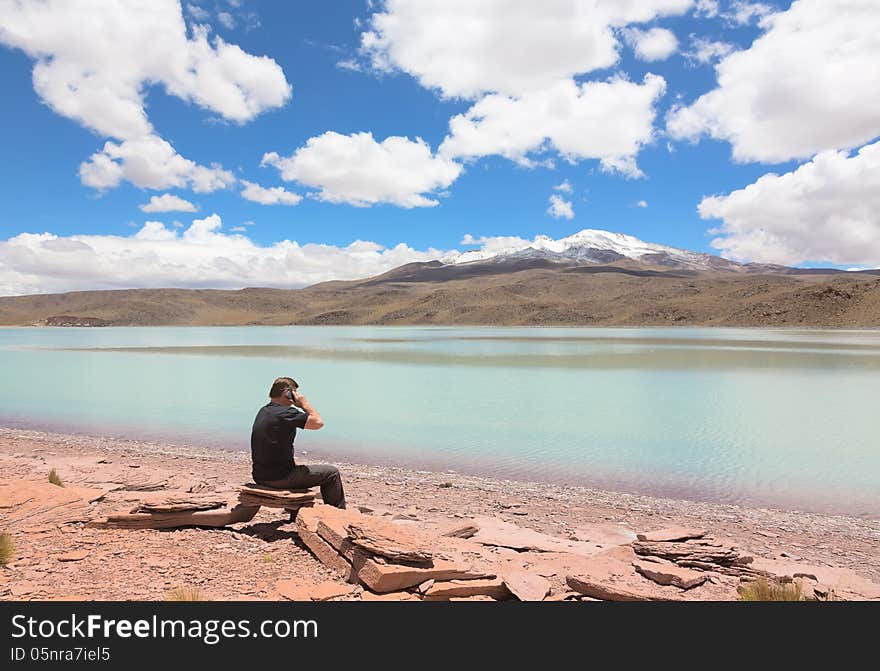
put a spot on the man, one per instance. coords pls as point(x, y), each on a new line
point(272, 445)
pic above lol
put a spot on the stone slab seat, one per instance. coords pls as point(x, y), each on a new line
point(291, 500)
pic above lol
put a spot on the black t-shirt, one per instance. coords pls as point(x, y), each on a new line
point(272, 440)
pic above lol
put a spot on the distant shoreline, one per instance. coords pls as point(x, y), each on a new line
point(489, 295)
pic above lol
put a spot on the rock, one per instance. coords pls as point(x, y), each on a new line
point(670, 534)
point(425, 586)
point(297, 590)
point(604, 534)
point(381, 578)
point(445, 590)
point(461, 531)
point(700, 553)
point(392, 544)
point(505, 534)
point(526, 586)
point(251, 494)
point(306, 528)
point(667, 573)
point(178, 504)
point(391, 596)
point(75, 555)
point(206, 518)
point(610, 576)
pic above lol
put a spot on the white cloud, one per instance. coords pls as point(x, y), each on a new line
point(168, 203)
point(560, 208)
point(565, 187)
point(465, 48)
point(656, 44)
point(276, 195)
point(357, 170)
point(704, 50)
point(150, 162)
point(808, 84)
point(825, 210)
point(743, 12)
point(238, 229)
point(642, 203)
point(226, 19)
point(706, 8)
point(200, 256)
point(609, 121)
point(94, 62)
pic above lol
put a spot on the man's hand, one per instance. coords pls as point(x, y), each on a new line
point(314, 421)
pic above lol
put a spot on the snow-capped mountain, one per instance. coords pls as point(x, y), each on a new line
point(591, 246)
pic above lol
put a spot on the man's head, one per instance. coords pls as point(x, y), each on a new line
point(280, 387)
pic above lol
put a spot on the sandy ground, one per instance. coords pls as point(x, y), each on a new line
point(244, 562)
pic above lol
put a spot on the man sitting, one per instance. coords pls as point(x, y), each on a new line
point(272, 445)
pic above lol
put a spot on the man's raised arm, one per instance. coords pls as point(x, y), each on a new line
point(314, 421)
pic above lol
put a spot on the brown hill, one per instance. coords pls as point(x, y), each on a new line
point(515, 292)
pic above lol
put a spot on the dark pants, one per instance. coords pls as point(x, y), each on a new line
point(313, 475)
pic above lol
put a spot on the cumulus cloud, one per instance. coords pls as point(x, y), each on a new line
point(824, 211)
point(150, 162)
point(94, 62)
point(168, 203)
point(810, 83)
point(743, 12)
point(642, 203)
point(560, 208)
point(565, 187)
point(656, 44)
point(465, 49)
point(706, 8)
point(704, 50)
point(607, 120)
point(202, 255)
point(275, 195)
point(358, 170)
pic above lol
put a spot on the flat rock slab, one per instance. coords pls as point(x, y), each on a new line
point(610, 576)
point(526, 586)
point(702, 552)
point(382, 577)
point(460, 531)
point(667, 573)
point(76, 555)
point(29, 499)
point(605, 534)
point(306, 528)
point(390, 542)
point(201, 518)
point(179, 505)
point(670, 534)
point(391, 596)
point(252, 494)
point(449, 589)
point(505, 534)
point(298, 590)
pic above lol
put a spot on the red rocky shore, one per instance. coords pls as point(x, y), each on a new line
point(408, 535)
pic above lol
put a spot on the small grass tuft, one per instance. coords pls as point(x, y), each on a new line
point(764, 590)
point(54, 478)
point(185, 594)
point(7, 548)
point(268, 559)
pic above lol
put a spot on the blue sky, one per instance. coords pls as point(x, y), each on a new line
point(306, 69)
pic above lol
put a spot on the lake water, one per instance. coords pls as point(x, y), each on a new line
point(759, 417)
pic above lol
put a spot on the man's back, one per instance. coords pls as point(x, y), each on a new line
point(272, 439)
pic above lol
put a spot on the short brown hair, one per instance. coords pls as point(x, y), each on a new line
point(281, 385)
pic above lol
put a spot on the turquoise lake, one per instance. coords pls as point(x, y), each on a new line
point(757, 417)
